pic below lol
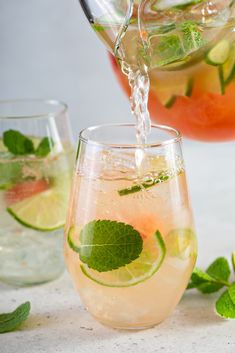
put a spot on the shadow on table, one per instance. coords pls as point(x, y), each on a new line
point(196, 309)
point(75, 323)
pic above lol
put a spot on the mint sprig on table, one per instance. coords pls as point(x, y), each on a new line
point(215, 278)
point(106, 245)
point(11, 321)
point(20, 145)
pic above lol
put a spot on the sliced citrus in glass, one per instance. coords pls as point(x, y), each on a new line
point(45, 211)
point(181, 243)
point(141, 269)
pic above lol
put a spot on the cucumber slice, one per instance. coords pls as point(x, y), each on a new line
point(228, 67)
point(227, 71)
point(219, 54)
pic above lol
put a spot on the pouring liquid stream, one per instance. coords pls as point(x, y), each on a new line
point(140, 84)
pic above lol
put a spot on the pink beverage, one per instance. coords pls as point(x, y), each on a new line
point(130, 245)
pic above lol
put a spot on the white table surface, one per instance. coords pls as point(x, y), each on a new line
point(59, 323)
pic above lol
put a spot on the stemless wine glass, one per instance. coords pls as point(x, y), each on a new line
point(130, 244)
point(36, 158)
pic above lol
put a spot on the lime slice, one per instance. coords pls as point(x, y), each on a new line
point(141, 269)
point(181, 243)
point(45, 211)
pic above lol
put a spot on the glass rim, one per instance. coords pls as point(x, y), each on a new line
point(177, 138)
point(50, 102)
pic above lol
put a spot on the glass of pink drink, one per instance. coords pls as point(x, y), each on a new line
point(130, 245)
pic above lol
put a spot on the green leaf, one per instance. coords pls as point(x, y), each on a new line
point(225, 306)
point(233, 260)
point(220, 271)
point(192, 37)
point(17, 143)
point(107, 245)
point(169, 50)
point(231, 292)
point(174, 47)
point(10, 321)
point(44, 147)
point(199, 279)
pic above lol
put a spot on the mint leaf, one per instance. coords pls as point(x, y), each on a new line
point(233, 260)
point(199, 279)
point(225, 306)
point(169, 50)
point(44, 147)
point(176, 46)
point(17, 143)
point(10, 321)
point(220, 271)
point(192, 37)
point(231, 292)
point(107, 245)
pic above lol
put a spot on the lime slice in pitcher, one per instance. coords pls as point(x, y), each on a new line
point(46, 211)
point(141, 269)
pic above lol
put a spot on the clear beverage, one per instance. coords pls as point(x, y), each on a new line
point(110, 199)
point(35, 176)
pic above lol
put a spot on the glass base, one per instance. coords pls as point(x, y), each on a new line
point(29, 257)
point(128, 327)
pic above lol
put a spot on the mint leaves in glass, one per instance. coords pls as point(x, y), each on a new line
point(36, 157)
point(130, 243)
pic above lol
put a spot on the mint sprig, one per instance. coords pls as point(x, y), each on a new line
point(10, 321)
point(21, 145)
point(176, 46)
point(214, 279)
point(17, 143)
point(107, 245)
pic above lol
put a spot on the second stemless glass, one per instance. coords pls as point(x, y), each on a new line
point(130, 244)
point(36, 159)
